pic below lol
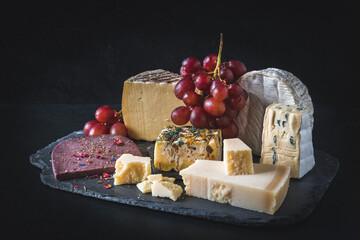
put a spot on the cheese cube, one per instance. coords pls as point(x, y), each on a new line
point(147, 102)
point(178, 147)
point(130, 169)
point(263, 191)
point(166, 189)
point(237, 157)
point(287, 139)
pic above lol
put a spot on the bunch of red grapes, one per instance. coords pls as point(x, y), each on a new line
point(222, 97)
point(108, 121)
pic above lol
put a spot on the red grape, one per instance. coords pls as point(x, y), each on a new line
point(184, 85)
point(191, 65)
point(88, 126)
point(105, 114)
point(213, 107)
point(231, 113)
point(231, 131)
point(238, 68)
point(235, 90)
point(118, 129)
point(236, 103)
point(203, 82)
point(215, 83)
point(226, 74)
point(209, 62)
point(98, 129)
point(198, 118)
point(180, 115)
point(222, 121)
point(191, 98)
point(184, 73)
point(220, 92)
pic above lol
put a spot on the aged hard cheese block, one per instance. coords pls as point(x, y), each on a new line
point(263, 191)
point(178, 147)
point(265, 87)
point(287, 138)
point(130, 169)
point(147, 102)
point(237, 157)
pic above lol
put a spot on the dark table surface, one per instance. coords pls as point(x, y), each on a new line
point(37, 211)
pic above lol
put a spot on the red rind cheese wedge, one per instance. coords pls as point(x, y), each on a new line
point(90, 155)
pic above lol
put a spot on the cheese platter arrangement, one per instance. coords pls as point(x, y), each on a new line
point(215, 142)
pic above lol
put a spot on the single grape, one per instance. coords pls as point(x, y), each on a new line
point(226, 74)
point(231, 113)
point(184, 72)
point(215, 83)
point(236, 103)
point(105, 114)
point(198, 118)
point(88, 126)
point(231, 131)
point(203, 82)
point(180, 115)
point(118, 129)
point(213, 107)
point(98, 129)
point(238, 68)
point(209, 62)
point(222, 122)
point(220, 92)
point(191, 64)
point(235, 90)
point(184, 85)
point(191, 98)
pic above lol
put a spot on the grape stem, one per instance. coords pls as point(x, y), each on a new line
point(217, 68)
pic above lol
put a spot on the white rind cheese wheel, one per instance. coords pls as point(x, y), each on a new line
point(265, 87)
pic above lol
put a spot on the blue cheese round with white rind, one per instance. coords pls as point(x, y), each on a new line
point(266, 87)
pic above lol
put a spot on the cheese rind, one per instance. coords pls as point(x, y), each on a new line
point(265, 87)
point(287, 138)
point(178, 147)
point(237, 157)
point(166, 189)
point(130, 169)
point(143, 98)
point(263, 191)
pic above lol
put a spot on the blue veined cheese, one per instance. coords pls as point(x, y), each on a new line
point(287, 138)
point(266, 87)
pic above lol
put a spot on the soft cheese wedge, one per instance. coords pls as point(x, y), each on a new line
point(237, 157)
point(287, 138)
point(178, 147)
point(130, 169)
point(147, 102)
point(266, 87)
point(263, 191)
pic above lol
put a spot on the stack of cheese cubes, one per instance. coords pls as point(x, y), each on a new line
point(237, 180)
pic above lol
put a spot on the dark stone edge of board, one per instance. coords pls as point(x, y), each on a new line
point(251, 218)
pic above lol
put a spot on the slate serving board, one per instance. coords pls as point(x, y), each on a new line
point(303, 194)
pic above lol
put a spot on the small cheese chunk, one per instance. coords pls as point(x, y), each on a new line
point(130, 169)
point(287, 138)
point(166, 189)
point(155, 177)
point(237, 157)
point(178, 147)
point(263, 191)
point(144, 186)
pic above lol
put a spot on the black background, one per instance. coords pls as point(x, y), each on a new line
point(61, 60)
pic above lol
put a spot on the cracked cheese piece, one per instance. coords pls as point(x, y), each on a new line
point(266, 87)
point(287, 138)
point(237, 157)
point(178, 147)
point(263, 191)
point(130, 169)
point(145, 186)
point(166, 189)
point(143, 98)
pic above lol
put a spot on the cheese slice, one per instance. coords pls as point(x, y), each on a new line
point(287, 138)
point(166, 189)
point(148, 100)
point(237, 157)
point(130, 169)
point(263, 191)
point(265, 87)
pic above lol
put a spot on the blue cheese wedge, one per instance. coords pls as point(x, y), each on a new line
point(287, 138)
